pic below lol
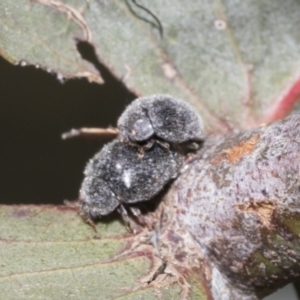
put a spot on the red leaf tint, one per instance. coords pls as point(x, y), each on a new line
point(285, 104)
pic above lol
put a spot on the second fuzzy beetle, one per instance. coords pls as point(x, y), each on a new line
point(160, 118)
point(156, 118)
point(117, 176)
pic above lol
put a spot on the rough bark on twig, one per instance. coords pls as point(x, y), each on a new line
point(233, 215)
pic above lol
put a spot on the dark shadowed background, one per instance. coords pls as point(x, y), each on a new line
point(37, 166)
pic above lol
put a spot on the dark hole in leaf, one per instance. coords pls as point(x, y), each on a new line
point(36, 165)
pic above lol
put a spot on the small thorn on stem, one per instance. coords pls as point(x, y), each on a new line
point(99, 133)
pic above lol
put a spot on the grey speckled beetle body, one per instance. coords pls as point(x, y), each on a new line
point(160, 117)
point(117, 175)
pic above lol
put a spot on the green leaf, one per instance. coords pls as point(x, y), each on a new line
point(45, 37)
point(236, 61)
point(48, 252)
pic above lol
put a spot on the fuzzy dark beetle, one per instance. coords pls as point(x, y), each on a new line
point(117, 175)
point(160, 118)
point(122, 174)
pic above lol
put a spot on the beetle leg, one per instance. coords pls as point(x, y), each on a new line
point(149, 145)
point(92, 224)
point(144, 148)
point(123, 212)
point(137, 213)
point(88, 220)
point(164, 145)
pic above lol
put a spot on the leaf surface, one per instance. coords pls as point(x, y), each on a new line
point(236, 61)
point(48, 252)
